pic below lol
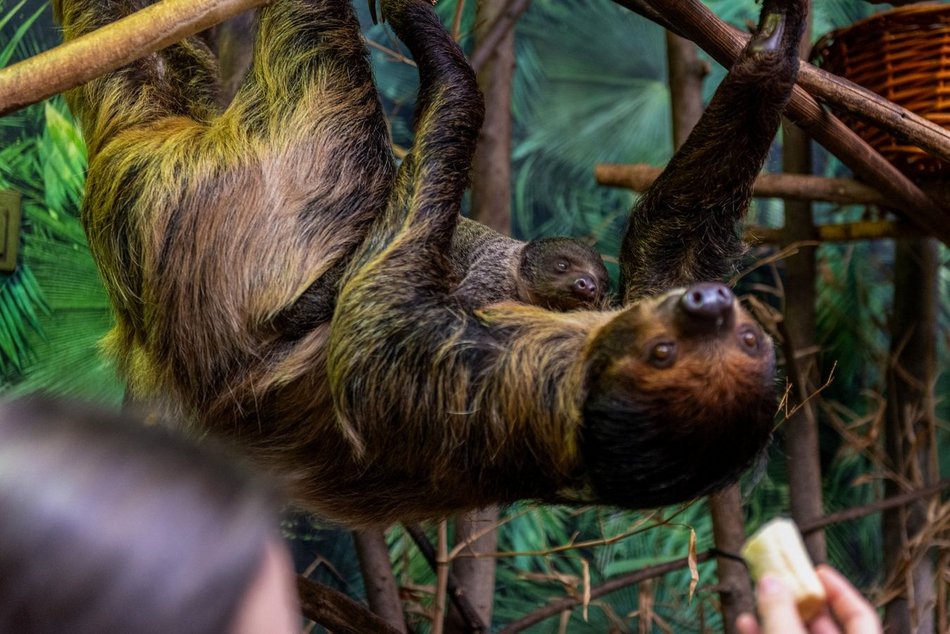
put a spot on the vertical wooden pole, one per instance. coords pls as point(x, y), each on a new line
point(801, 429)
point(686, 73)
point(381, 591)
point(491, 170)
point(909, 430)
point(491, 205)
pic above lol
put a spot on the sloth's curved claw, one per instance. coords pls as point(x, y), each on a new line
point(372, 11)
point(769, 37)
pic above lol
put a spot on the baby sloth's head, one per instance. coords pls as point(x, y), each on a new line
point(562, 274)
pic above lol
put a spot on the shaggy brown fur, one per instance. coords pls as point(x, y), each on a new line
point(215, 230)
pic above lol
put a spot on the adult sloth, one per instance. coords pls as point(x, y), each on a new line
point(213, 231)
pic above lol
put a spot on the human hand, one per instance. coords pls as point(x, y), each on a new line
point(850, 613)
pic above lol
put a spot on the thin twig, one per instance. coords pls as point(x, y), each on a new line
point(393, 53)
point(455, 591)
point(570, 545)
point(658, 570)
point(442, 579)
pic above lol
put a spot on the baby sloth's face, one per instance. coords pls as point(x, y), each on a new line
point(564, 274)
point(681, 397)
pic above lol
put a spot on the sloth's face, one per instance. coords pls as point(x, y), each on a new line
point(564, 274)
point(681, 396)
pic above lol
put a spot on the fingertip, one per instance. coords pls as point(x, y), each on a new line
point(777, 607)
point(746, 624)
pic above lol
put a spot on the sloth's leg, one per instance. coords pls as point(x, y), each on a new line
point(448, 118)
point(685, 228)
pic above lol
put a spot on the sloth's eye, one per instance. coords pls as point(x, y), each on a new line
point(663, 354)
point(749, 340)
point(562, 265)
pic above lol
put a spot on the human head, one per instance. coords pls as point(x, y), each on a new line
point(109, 526)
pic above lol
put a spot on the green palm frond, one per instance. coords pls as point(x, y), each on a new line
point(21, 307)
point(63, 333)
point(836, 14)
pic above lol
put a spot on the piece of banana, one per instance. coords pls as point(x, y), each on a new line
point(777, 549)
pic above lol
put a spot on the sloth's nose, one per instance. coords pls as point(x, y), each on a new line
point(706, 307)
point(585, 287)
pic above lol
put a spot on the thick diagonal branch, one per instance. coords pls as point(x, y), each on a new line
point(832, 89)
point(695, 21)
point(97, 53)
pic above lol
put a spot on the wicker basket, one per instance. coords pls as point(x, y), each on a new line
point(903, 55)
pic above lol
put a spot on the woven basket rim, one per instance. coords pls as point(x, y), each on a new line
point(914, 42)
point(905, 11)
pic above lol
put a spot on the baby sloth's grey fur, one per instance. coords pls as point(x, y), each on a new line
point(556, 273)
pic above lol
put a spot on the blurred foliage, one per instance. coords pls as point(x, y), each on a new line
point(590, 87)
point(66, 305)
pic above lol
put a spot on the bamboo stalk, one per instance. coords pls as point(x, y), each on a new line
point(137, 35)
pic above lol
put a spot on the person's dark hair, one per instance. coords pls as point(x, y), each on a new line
point(109, 526)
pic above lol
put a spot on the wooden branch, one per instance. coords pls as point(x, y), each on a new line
point(875, 507)
point(336, 611)
point(735, 591)
point(569, 603)
point(856, 100)
point(111, 47)
point(844, 232)
point(455, 591)
point(475, 575)
point(843, 191)
point(651, 572)
point(896, 3)
point(382, 593)
point(702, 26)
point(441, 579)
point(871, 107)
point(496, 32)
point(644, 9)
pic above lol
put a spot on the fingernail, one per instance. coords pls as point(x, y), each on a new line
point(769, 585)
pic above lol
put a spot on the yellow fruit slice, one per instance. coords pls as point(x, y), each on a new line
point(777, 549)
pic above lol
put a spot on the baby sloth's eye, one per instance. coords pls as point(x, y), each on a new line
point(562, 265)
point(663, 354)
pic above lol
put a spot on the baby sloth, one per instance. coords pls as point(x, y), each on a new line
point(559, 273)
